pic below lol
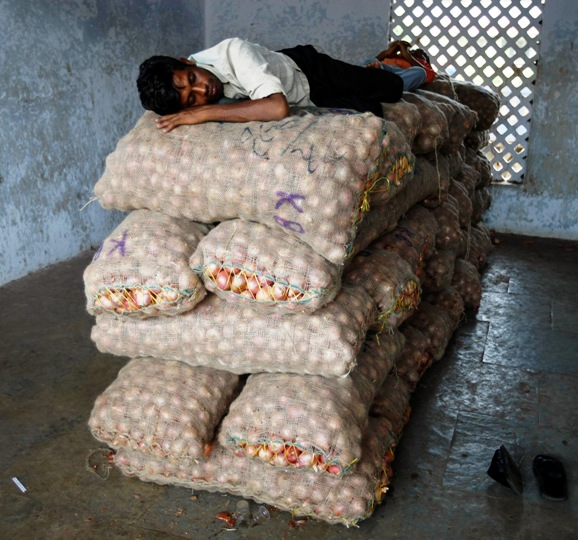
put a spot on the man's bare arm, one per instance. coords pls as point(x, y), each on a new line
point(273, 107)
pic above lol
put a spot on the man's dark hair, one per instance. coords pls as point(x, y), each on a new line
point(155, 84)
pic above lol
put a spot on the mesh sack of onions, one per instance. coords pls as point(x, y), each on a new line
point(424, 227)
point(237, 338)
point(455, 162)
point(395, 167)
point(449, 299)
point(469, 176)
point(270, 172)
point(413, 239)
point(437, 326)
point(415, 358)
point(482, 165)
point(309, 422)
point(142, 268)
point(406, 116)
point(439, 167)
point(471, 250)
point(447, 215)
point(442, 85)
point(482, 100)
point(439, 270)
point(476, 247)
point(264, 266)
point(392, 403)
point(384, 219)
point(466, 280)
point(481, 201)
point(343, 500)
point(389, 280)
point(165, 409)
point(465, 205)
point(395, 241)
point(434, 124)
point(477, 139)
point(484, 235)
point(460, 123)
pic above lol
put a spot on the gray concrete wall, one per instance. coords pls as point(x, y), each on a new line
point(67, 93)
point(344, 29)
point(547, 203)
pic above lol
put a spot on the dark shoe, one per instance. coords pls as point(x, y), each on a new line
point(504, 470)
point(551, 477)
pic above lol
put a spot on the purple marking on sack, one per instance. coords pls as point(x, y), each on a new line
point(120, 244)
point(98, 252)
point(289, 198)
point(291, 225)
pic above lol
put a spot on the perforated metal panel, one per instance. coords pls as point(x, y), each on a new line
point(492, 43)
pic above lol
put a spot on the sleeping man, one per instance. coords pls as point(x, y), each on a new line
point(240, 81)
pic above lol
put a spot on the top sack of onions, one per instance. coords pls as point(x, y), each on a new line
point(309, 174)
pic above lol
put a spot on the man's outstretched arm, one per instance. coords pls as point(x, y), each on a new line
point(273, 107)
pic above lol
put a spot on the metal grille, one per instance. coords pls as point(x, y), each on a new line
point(492, 43)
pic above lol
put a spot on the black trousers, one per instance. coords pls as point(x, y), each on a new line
point(338, 84)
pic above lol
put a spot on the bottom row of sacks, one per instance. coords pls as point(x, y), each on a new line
point(206, 429)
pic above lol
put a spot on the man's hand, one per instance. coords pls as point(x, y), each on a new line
point(273, 107)
point(186, 117)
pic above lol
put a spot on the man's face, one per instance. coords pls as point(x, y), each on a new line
point(197, 86)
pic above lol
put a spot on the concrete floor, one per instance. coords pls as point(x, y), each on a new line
point(510, 376)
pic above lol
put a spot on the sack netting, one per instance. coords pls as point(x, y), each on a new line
point(164, 409)
point(241, 339)
point(390, 282)
point(425, 183)
point(450, 300)
point(264, 266)
point(392, 402)
point(310, 422)
point(270, 172)
point(415, 358)
point(436, 324)
point(142, 268)
point(337, 500)
point(466, 280)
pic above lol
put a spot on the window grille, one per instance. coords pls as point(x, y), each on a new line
point(492, 43)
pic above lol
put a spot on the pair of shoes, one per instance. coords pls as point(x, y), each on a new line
point(551, 477)
point(504, 470)
point(549, 472)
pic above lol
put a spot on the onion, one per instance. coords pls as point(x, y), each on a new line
point(106, 303)
point(116, 298)
point(265, 454)
point(276, 447)
point(263, 295)
point(169, 295)
point(213, 269)
point(292, 454)
point(253, 285)
point(305, 460)
point(142, 297)
point(280, 460)
point(334, 469)
point(279, 292)
point(223, 280)
point(238, 283)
